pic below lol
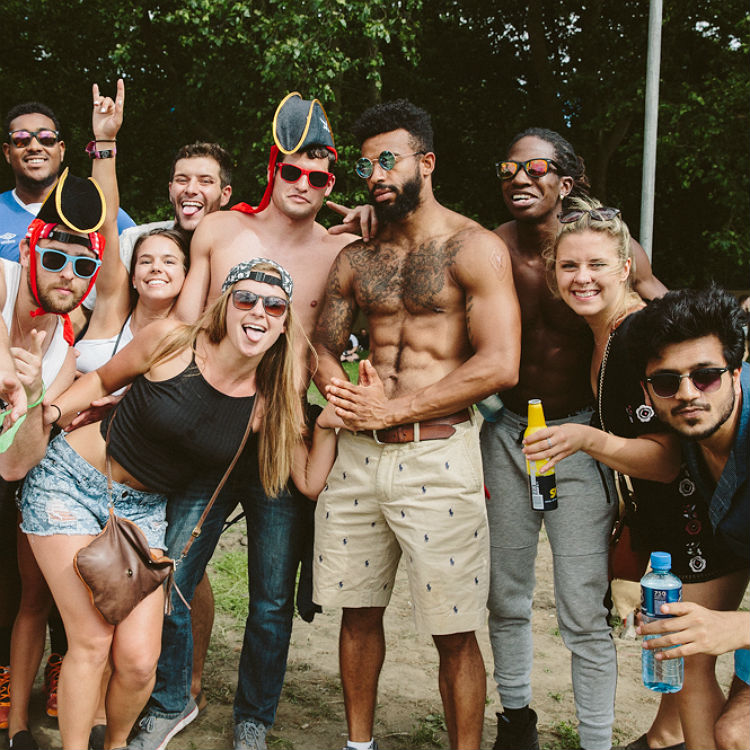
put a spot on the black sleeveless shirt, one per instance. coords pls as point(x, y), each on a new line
point(167, 432)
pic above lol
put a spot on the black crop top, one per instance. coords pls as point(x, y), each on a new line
point(167, 432)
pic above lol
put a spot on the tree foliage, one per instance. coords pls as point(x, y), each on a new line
point(215, 70)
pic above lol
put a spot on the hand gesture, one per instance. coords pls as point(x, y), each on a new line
point(99, 409)
point(553, 444)
point(106, 116)
point(358, 220)
point(363, 406)
point(28, 364)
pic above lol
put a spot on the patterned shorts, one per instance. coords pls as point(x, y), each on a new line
point(423, 500)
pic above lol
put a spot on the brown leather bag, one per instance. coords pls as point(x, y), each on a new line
point(119, 570)
point(117, 566)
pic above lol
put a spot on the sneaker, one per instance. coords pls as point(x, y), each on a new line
point(4, 696)
point(51, 678)
point(513, 737)
point(156, 731)
point(374, 746)
point(249, 736)
point(23, 741)
point(96, 736)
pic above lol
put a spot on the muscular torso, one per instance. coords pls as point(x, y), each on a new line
point(556, 344)
point(415, 308)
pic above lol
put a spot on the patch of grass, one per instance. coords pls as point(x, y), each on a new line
point(313, 394)
point(568, 737)
point(425, 734)
point(555, 696)
point(555, 631)
point(281, 743)
point(229, 583)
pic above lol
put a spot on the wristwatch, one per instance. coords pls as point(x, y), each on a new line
point(91, 150)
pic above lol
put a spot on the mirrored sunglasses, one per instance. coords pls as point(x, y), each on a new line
point(245, 300)
point(364, 167)
point(706, 379)
point(604, 213)
point(45, 137)
point(316, 177)
point(55, 260)
point(506, 170)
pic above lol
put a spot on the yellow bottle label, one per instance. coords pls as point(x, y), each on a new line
point(542, 486)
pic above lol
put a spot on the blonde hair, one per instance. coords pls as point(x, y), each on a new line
point(277, 383)
point(616, 229)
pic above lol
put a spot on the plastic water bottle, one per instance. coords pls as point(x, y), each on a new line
point(490, 407)
point(660, 586)
point(542, 487)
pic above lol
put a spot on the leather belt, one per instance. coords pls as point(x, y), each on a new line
point(438, 428)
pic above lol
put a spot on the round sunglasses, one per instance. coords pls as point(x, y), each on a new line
point(316, 177)
point(246, 300)
point(364, 167)
point(55, 260)
point(45, 137)
point(507, 170)
point(705, 379)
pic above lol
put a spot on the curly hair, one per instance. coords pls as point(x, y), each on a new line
point(571, 165)
point(396, 115)
point(687, 314)
point(29, 108)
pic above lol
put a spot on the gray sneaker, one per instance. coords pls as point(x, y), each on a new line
point(249, 736)
point(374, 746)
point(155, 732)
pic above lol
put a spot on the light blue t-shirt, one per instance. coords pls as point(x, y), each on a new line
point(15, 220)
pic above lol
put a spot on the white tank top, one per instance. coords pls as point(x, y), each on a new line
point(93, 353)
point(57, 350)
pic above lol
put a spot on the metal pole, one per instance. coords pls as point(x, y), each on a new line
point(648, 181)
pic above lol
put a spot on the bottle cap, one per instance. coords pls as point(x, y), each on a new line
point(661, 561)
point(536, 414)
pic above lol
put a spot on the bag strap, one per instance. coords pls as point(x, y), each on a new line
point(197, 530)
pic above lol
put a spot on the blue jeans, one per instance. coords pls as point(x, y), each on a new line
point(274, 531)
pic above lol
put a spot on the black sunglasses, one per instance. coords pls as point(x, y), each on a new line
point(603, 213)
point(55, 260)
point(507, 170)
point(706, 379)
point(316, 177)
point(45, 137)
point(245, 300)
point(364, 167)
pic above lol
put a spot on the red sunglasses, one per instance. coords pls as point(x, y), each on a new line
point(316, 177)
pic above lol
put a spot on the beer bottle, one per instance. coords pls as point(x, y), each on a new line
point(542, 487)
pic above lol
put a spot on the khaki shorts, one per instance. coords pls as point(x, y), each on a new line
point(424, 500)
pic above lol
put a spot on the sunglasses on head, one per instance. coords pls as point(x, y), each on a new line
point(45, 137)
point(245, 300)
point(55, 260)
point(507, 170)
point(316, 177)
point(364, 167)
point(706, 379)
point(603, 213)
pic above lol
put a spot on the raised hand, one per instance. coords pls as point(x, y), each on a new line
point(358, 220)
point(106, 115)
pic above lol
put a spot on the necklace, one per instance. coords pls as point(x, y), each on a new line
point(602, 370)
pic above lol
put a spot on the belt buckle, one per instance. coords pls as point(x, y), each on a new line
point(375, 436)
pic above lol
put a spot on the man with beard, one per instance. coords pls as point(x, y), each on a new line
point(689, 347)
point(437, 291)
point(59, 260)
point(35, 153)
point(283, 228)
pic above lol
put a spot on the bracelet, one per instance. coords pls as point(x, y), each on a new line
point(39, 400)
point(92, 151)
point(59, 414)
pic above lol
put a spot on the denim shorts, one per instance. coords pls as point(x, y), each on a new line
point(64, 494)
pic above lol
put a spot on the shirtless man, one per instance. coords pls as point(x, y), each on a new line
point(540, 171)
point(282, 228)
point(444, 324)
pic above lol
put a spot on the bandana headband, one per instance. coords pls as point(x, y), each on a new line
point(246, 271)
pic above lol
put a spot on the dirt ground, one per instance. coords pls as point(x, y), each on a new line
point(409, 715)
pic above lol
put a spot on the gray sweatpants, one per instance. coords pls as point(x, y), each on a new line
point(578, 532)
